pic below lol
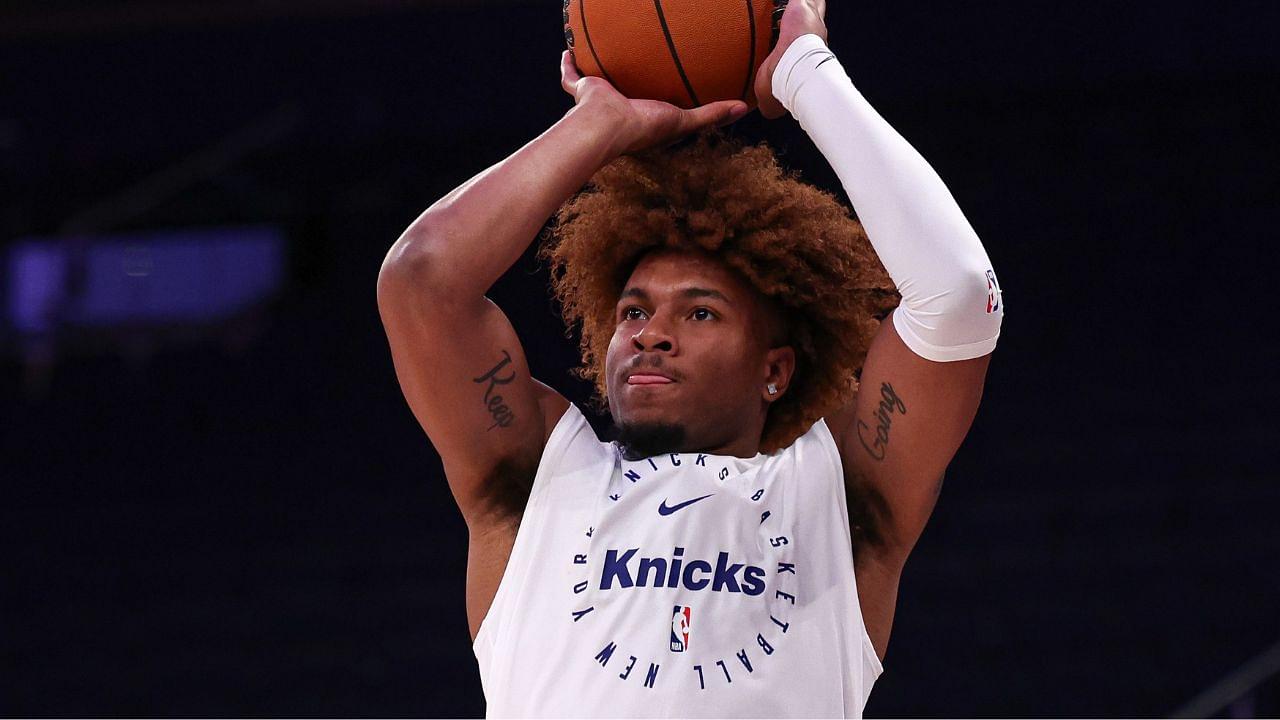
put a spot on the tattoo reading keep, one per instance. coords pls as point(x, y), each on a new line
point(889, 401)
point(502, 415)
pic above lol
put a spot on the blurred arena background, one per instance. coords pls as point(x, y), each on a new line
point(216, 502)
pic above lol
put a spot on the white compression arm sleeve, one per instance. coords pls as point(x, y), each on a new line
point(951, 307)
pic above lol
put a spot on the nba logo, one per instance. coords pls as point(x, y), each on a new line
point(680, 628)
point(993, 292)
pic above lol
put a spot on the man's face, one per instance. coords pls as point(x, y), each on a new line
point(690, 349)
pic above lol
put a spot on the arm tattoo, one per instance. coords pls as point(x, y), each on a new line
point(502, 415)
point(879, 442)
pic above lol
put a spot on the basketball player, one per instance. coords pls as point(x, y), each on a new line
point(736, 550)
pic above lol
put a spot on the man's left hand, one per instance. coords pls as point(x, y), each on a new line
point(801, 17)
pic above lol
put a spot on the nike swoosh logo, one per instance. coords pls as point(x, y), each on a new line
point(664, 510)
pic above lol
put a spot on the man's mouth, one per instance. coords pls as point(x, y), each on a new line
point(647, 379)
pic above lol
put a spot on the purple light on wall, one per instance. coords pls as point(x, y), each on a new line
point(37, 276)
point(168, 277)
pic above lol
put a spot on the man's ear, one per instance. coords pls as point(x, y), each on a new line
point(780, 365)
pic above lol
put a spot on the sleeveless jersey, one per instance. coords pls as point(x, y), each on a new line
point(681, 585)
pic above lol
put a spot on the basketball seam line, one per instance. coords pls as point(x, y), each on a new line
point(582, 13)
point(751, 58)
point(674, 56)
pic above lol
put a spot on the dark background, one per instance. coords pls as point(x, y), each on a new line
point(246, 519)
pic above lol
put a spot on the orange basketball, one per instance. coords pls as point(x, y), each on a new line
point(685, 52)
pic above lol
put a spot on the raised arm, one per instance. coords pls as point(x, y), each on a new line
point(923, 376)
point(460, 365)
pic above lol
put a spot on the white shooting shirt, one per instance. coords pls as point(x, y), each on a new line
point(682, 585)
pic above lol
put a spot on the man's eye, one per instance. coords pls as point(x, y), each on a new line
point(702, 314)
point(633, 313)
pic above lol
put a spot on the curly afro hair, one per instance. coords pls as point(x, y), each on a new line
point(796, 244)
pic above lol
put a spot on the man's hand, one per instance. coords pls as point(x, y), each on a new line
point(642, 124)
point(802, 17)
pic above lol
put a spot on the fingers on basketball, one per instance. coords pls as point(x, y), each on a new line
point(716, 113)
point(569, 75)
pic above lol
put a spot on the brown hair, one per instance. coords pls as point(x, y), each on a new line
point(796, 244)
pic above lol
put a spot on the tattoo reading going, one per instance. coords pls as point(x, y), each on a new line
point(889, 401)
point(502, 415)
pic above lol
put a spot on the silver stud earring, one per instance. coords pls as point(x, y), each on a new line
point(773, 389)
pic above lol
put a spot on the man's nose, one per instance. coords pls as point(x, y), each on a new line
point(654, 337)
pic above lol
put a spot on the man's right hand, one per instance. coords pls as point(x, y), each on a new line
point(642, 124)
